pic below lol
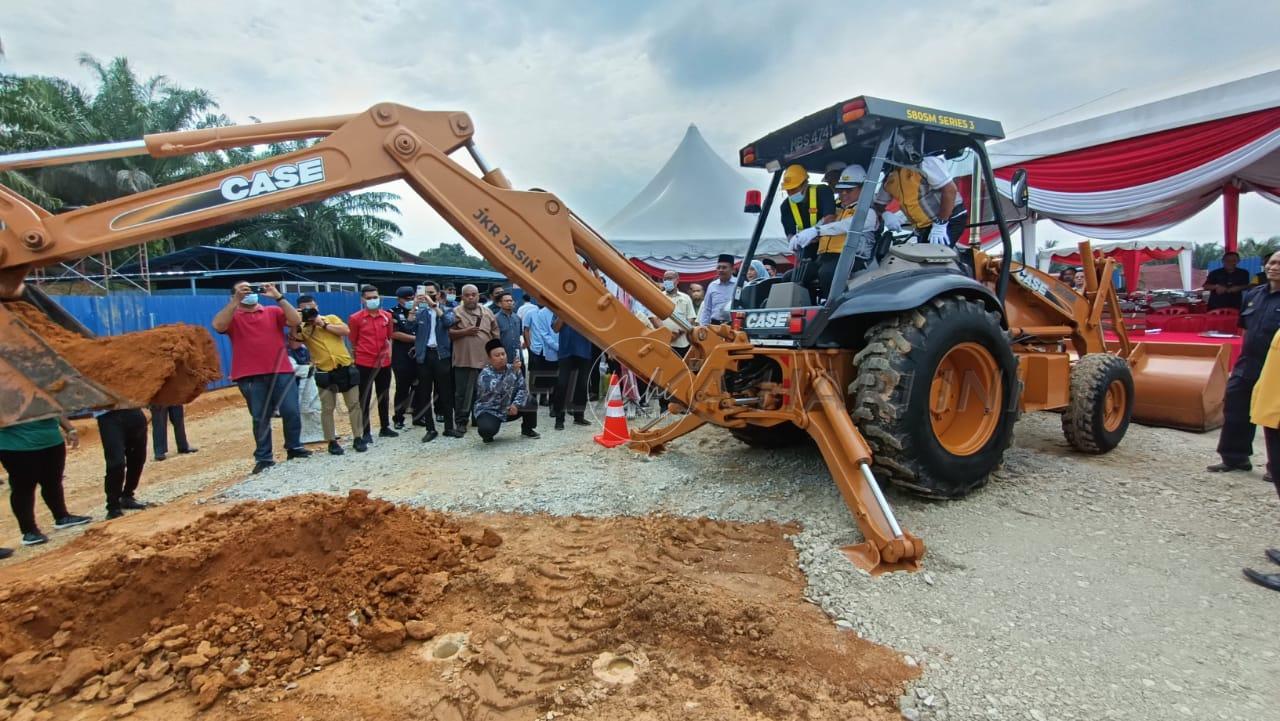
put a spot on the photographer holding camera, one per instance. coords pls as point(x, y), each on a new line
point(336, 373)
point(260, 365)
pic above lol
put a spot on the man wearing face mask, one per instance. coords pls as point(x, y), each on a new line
point(403, 367)
point(336, 374)
point(433, 351)
point(260, 366)
point(805, 208)
point(371, 330)
point(684, 309)
point(450, 295)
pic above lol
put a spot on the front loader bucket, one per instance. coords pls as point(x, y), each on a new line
point(35, 382)
point(1178, 385)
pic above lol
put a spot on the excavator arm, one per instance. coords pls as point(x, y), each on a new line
point(530, 236)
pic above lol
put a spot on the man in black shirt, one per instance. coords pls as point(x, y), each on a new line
point(403, 365)
point(805, 207)
point(1226, 285)
point(1260, 318)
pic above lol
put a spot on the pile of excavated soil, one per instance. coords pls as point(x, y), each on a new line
point(257, 595)
point(168, 365)
point(278, 610)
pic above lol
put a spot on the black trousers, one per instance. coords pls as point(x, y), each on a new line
point(593, 384)
point(124, 446)
point(406, 375)
point(574, 375)
point(161, 417)
point(488, 425)
point(464, 394)
point(542, 377)
point(378, 379)
point(28, 469)
point(1235, 440)
point(1271, 436)
point(435, 388)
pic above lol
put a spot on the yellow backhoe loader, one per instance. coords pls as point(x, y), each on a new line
point(918, 360)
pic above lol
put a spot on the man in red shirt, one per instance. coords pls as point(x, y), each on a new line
point(371, 329)
point(260, 366)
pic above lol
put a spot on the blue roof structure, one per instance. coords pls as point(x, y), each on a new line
point(203, 256)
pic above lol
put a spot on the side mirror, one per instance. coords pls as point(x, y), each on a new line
point(753, 202)
point(1019, 190)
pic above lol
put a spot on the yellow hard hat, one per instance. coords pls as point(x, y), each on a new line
point(793, 177)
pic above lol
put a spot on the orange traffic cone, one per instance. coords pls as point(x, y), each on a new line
point(615, 418)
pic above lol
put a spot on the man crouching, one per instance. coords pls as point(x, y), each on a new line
point(501, 396)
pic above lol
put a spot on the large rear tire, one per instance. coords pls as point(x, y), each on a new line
point(936, 396)
point(1101, 405)
point(783, 435)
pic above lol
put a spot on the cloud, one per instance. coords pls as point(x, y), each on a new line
point(589, 99)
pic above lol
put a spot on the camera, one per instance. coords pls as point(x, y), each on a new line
point(309, 314)
point(256, 288)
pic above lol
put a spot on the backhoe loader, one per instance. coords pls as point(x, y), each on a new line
point(916, 357)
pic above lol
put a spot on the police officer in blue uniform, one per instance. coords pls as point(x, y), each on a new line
point(1260, 318)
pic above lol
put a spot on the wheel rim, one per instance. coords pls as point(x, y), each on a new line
point(1113, 405)
point(964, 399)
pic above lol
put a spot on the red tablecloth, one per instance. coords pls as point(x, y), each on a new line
point(1195, 322)
point(1169, 337)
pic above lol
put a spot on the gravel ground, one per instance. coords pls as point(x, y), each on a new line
point(1071, 587)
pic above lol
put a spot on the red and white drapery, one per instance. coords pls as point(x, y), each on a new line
point(691, 270)
point(1142, 185)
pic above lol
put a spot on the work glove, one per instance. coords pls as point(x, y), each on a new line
point(893, 221)
point(938, 234)
point(806, 236)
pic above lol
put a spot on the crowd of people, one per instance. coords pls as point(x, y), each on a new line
point(438, 359)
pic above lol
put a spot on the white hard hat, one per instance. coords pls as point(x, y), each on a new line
point(853, 176)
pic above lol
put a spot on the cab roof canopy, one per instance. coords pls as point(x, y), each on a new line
point(848, 132)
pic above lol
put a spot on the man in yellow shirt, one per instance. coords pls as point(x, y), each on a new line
point(336, 372)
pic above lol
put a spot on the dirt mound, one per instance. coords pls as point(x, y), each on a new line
point(168, 365)
point(279, 610)
point(257, 595)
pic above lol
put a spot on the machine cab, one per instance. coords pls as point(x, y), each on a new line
point(877, 271)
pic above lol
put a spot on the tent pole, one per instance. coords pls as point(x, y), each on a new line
point(1230, 215)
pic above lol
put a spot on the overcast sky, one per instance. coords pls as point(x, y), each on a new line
point(588, 100)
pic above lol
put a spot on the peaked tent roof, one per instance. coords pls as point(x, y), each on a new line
point(691, 209)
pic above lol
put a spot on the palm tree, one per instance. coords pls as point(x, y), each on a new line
point(345, 226)
point(38, 112)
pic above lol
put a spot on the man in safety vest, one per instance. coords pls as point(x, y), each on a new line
point(833, 236)
point(805, 208)
point(929, 200)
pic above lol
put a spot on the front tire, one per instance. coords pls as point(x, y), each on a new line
point(1101, 406)
point(936, 396)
